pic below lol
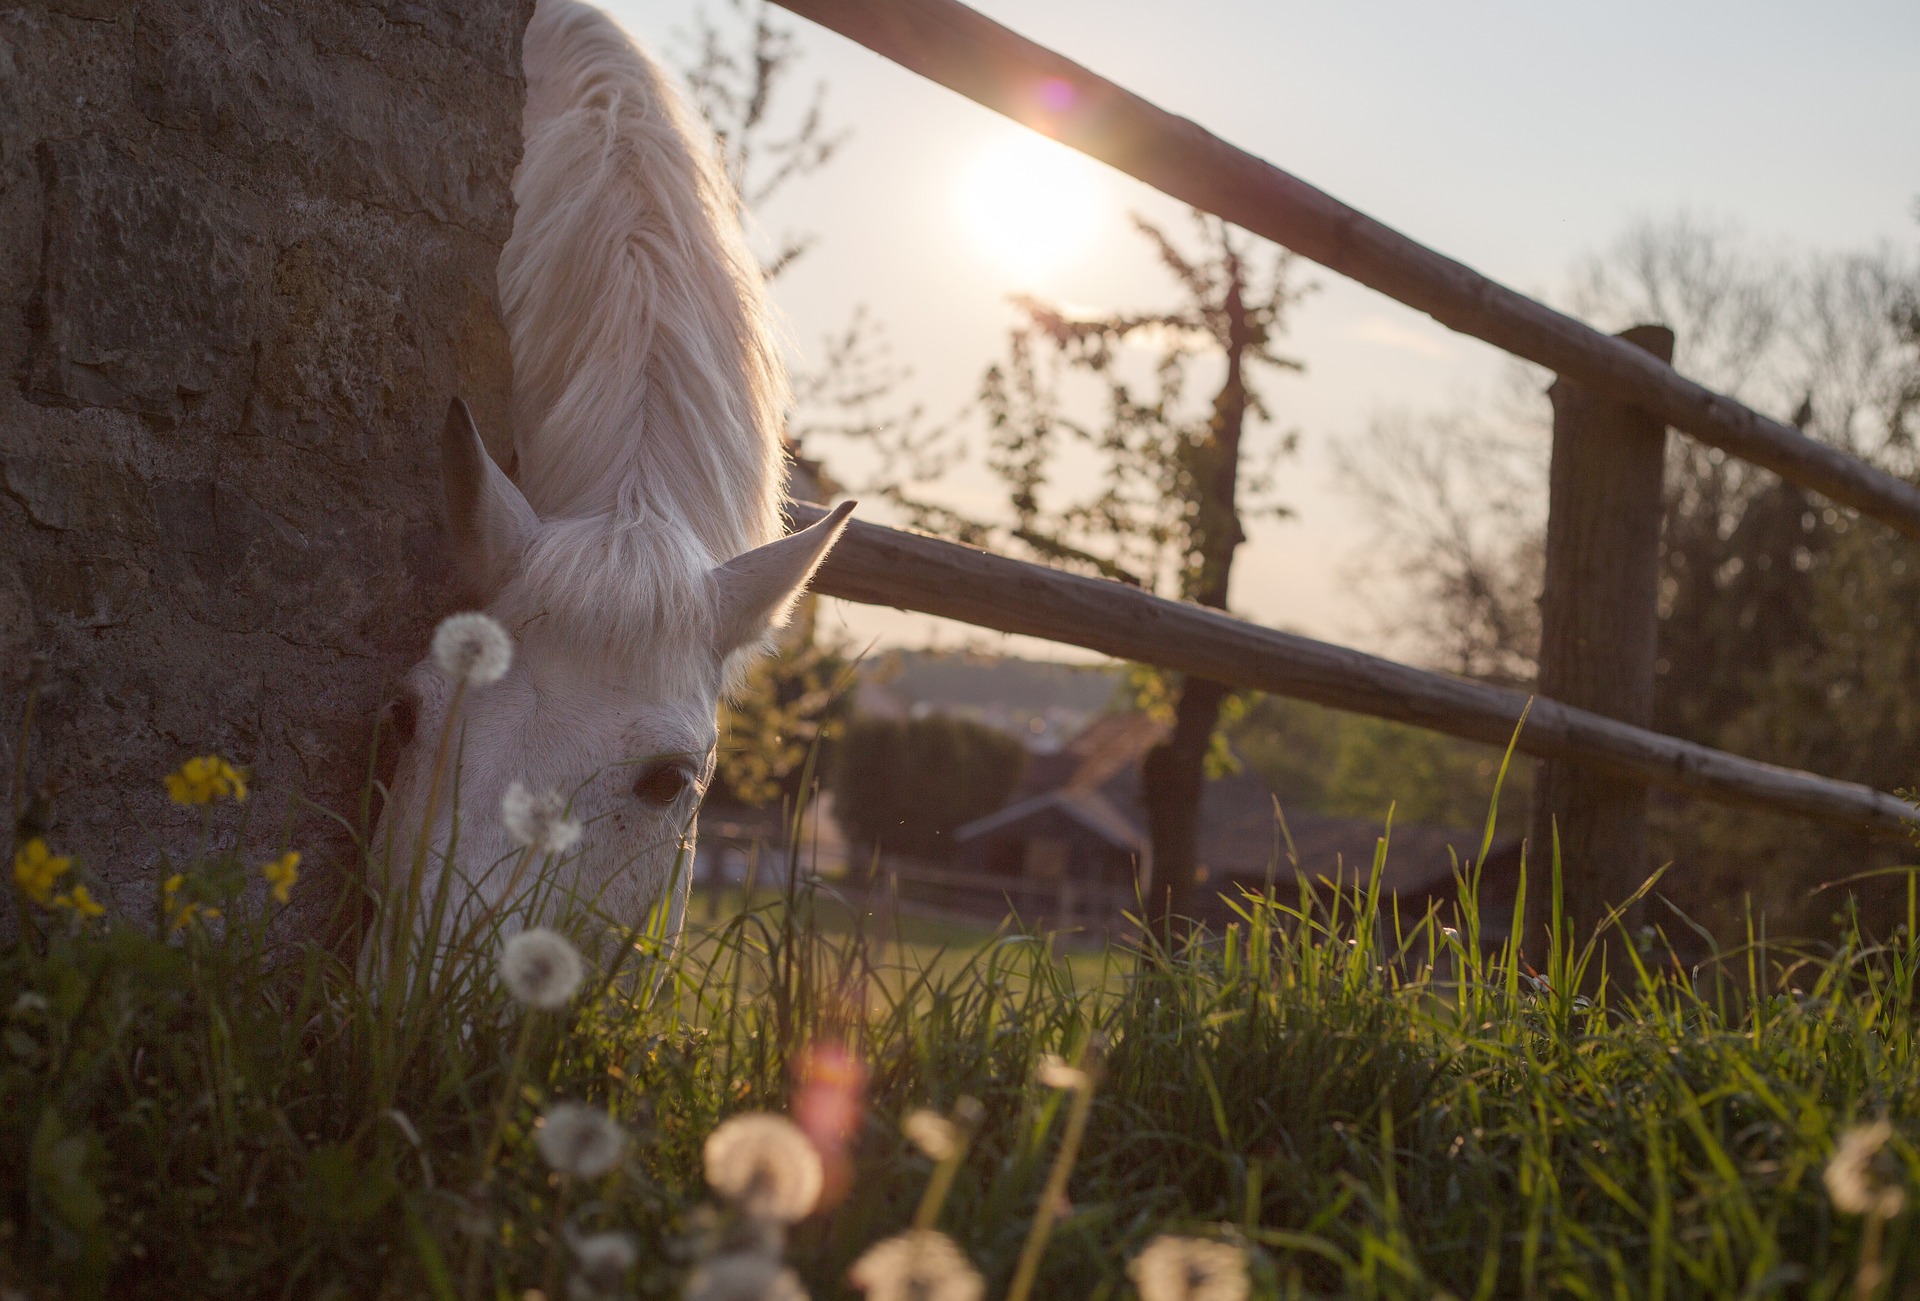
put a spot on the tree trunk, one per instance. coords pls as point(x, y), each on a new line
point(251, 257)
point(1173, 777)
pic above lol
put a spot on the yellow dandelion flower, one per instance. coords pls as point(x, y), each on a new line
point(178, 914)
point(281, 873)
point(206, 779)
point(35, 869)
point(80, 901)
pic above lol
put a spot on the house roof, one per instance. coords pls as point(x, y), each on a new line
point(1097, 783)
point(1111, 746)
point(1088, 808)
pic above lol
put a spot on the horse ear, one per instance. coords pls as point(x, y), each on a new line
point(488, 518)
point(756, 590)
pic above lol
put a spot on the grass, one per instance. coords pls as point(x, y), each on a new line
point(1366, 1109)
point(191, 1117)
point(900, 946)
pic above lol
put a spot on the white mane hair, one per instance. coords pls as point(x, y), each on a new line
point(649, 391)
point(632, 545)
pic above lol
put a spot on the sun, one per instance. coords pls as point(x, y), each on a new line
point(1032, 204)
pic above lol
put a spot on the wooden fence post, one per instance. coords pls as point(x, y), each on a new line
point(1598, 641)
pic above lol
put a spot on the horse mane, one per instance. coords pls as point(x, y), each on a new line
point(649, 391)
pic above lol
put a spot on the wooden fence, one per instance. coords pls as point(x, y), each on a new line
point(1613, 401)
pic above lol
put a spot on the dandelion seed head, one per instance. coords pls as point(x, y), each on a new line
point(1860, 1178)
point(1189, 1269)
point(744, 1276)
point(932, 1133)
point(472, 648)
point(1056, 1074)
point(580, 1140)
point(600, 1262)
point(540, 969)
point(764, 1164)
point(538, 822)
point(919, 1265)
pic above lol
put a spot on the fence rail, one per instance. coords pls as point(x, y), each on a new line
point(1614, 398)
point(967, 52)
point(877, 565)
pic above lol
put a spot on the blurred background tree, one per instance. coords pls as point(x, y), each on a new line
point(742, 68)
point(1172, 479)
point(1787, 624)
point(1321, 760)
point(904, 785)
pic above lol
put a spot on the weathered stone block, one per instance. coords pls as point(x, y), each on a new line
point(317, 99)
point(254, 250)
point(70, 495)
point(148, 281)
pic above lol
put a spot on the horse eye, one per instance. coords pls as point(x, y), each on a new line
point(661, 784)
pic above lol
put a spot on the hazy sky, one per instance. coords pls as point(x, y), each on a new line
point(1515, 137)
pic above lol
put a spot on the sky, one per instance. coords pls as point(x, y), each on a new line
point(1516, 137)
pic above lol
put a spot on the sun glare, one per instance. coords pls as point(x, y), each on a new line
point(1033, 205)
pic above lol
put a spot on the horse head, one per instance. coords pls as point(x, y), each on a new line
point(624, 638)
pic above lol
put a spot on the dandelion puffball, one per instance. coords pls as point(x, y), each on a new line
point(744, 1276)
point(1056, 1074)
point(932, 1133)
point(1855, 1177)
point(764, 1164)
point(601, 1261)
point(1189, 1269)
point(538, 822)
point(579, 1140)
point(472, 648)
point(919, 1265)
point(540, 969)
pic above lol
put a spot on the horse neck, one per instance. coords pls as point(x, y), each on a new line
point(648, 384)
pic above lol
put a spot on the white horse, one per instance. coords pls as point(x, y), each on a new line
point(634, 551)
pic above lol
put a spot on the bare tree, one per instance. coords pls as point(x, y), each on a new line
point(741, 69)
point(1171, 476)
point(1775, 605)
point(739, 73)
point(1458, 497)
point(1457, 500)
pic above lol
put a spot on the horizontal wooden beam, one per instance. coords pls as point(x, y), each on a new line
point(882, 566)
point(967, 52)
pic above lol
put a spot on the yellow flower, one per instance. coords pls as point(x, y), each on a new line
point(35, 869)
point(179, 914)
point(80, 901)
point(281, 873)
point(206, 779)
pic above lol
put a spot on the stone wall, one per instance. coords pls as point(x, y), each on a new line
point(247, 255)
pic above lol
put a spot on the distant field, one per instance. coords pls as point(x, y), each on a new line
point(905, 944)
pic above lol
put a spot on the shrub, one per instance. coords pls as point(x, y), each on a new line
point(905, 786)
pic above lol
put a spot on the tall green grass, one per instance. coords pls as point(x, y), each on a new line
point(1371, 1105)
point(1373, 1114)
